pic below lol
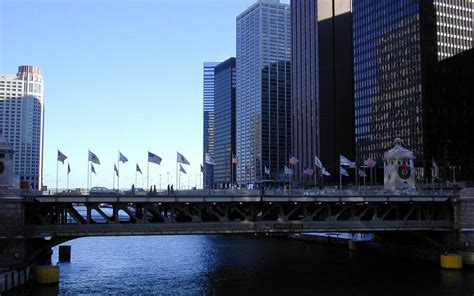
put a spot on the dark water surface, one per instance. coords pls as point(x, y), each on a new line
point(245, 265)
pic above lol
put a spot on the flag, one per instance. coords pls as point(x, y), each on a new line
point(208, 159)
point(61, 157)
point(288, 171)
point(324, 172)
point(293, 160)
point(308, 171)
point(248, 170)
point(181, 169)
point(434, 170)
point(369, 162)
point(68, 169)
point(267, 170)
point(138, 169)
point(202, 169)
point(93, 169)
point(318, 162)
point(181, 159)
point(93, 158)
point(234, 158)
point(116, 170)
point(346, 162)
point(343, 172)
point(154, 158)
point(122, 158)
point(362, 174)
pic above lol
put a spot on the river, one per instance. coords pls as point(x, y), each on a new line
point(245, 265)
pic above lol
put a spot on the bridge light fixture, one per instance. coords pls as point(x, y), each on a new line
point(214, 203)
point(319, 203)
point(159, 203)
point(187, 203)
point(240, 203)
point(295, 203)
point(366, 202)
point(386, 202)
point(343, 202)
point(269, 202)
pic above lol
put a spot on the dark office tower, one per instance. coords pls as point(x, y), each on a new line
point(397, 48)
point(322, 88)
point(454, 116)
point(224, 123)
point(263, 91)
point(208, 127)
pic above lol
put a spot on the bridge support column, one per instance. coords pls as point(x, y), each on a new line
point(465, 225)
point(17, 254)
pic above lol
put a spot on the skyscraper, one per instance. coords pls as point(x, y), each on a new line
point(263, 91)
point(224, 122)
point(322, 88)
point(397, 45)
point(208, 132)
point(21, 119)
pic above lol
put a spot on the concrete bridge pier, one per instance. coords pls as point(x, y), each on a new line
point(465, 225)
point(18, 255)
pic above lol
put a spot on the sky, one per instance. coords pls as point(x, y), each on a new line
point(120, 75)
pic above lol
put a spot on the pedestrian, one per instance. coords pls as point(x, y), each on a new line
point(172, 190)
point(154, 189)
point(168, 189)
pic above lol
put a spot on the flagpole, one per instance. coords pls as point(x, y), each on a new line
point(340, 177)
point(113, 180)
point(177, 169)
point(118, 173)
point(136, 185)
point(57, 169)
point(67, 176)
point(90, 177)
point(147, 174)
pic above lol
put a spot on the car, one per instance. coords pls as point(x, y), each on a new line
point(102, 191)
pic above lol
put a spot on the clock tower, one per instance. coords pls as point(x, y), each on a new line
point(6, 163)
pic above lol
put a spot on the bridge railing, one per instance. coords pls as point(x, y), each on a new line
point(234, 192)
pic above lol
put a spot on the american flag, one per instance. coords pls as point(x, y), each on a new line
point(116, 170)
point(61, 157)
point(293, 160)
point(138, 169)
point(362, 174)
point(181, 169)
point(154, 158)
point(308, 171)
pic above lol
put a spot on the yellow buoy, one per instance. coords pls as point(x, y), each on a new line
point(352, 245)
point(47, 274)
point(451, 261)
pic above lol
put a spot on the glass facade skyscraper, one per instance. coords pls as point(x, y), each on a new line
point(224, 122)
point(21, 120)
point(397, 45)
point(322, 87)
point(263, 91)
point(208, 126)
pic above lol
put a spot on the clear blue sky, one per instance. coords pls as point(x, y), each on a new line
point(119, 75)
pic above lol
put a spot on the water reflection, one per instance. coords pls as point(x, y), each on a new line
point(233, 265)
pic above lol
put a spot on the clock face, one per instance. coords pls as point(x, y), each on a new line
point(2, 167)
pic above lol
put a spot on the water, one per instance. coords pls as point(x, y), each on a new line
point(245, 265)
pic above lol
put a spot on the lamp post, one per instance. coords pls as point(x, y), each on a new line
point(168, 174)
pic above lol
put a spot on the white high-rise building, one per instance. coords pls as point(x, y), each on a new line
point(21, 119)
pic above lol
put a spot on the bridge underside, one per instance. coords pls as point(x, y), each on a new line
point(66, 219)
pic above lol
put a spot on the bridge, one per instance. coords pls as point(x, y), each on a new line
point(32, 223)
